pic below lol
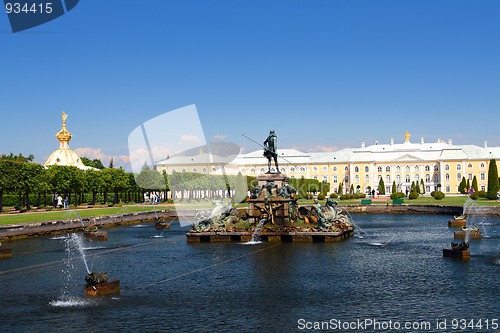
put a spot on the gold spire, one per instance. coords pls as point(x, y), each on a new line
point(407, 137)
point(64, 136)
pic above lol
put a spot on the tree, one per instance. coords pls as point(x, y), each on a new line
point(340, 190)
point(474, 184)
point(351, 189)
point(394, 188)
point(423, 186)
point(467, 187)
point(240, 189)
point(381, 186)
point(95, 163)
point(302, 190)
point(417, 187)
point(462, 186)
point(493, 184)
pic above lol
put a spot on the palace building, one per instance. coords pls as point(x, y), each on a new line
point(440, 165)
point(64, 155)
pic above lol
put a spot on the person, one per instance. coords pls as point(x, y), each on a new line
point(59, 201)
point(54, 200)
point(270, 151)
point(498, 195)
point(65, 202)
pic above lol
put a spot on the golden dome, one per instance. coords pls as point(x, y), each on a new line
point(64, 135)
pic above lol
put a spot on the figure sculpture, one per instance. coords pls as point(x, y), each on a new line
point(270, 151)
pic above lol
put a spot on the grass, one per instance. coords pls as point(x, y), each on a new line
point(55, 215)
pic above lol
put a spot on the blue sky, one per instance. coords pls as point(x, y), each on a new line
point(324, 75)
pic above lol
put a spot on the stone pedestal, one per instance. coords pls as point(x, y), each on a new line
point(277, 178)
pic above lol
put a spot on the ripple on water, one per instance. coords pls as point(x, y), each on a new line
point(72, 302)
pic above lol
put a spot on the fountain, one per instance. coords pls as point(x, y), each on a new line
point(461, 220)
point(460, 251)
point(273, 202)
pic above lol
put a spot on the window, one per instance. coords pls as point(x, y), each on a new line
point(292, 169)
point(379, 169)
point(398, 179)
point(324, 178)
point(173, 170)
point(183, 170)
point(214, 170)
point(283, 170)
point(459, 177)
point(417, 178)
point(436, 168)
point(367, 179)
point(447, 167)
point(346, 168)
point(417, 169)
point(427, 178)
point(483, 188)
point(334, 179)
point(436, 179)
point(387, 179)
point(447, 177)
point(262, 170)
point(407, 178)
point(243, 171)
point(315, 169)
point(407, 168)
point(325, 169)
point(315, 177)
point(482, 165)
point(459, 167)
point(346, 179)
point(483, 176)
point(205, 170)
point(427, 168)
point(398, 169)
point(356, 169)
point(447, 188)
point(302, 169)
point(356, 179)
point(253, 170)
point(334, 169)
point(469, 176)
point(367, 169)
point(469, 165)
point(195, 170)
point(388, 169)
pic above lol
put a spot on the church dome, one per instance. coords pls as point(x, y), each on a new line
point(64, 155)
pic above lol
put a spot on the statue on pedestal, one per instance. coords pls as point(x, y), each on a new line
point(270, 151)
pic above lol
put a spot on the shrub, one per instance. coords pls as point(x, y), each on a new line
point(334, 195)
point(438, 195)
point(397, 195)
point(321, 196)
point(344, 197)
point(309, 196)
point(413, 195)
point(474, 196)
point(482, 194)
point(361, 195)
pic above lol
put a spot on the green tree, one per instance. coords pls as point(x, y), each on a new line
point(394, 188)
point(467, 187)
point(462, 186)
point(381, 186)
point(351, 189)
point(493, 184)
point(302, 190)
point(474, 184)
point(422, 185)
point(340, 190)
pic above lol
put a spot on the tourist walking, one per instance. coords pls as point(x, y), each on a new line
point(59, 202)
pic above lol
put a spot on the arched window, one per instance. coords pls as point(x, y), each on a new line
point(324, 178)
point(292, 169)
point(398, 179)
point(417, 169)
point(325, 169)
point(283, 170)
point(367, 169)
point(204, 170)
point(388, 169)
point(436, 179)
point(417, 178)
point(173, 170)
point(302, 169)
point(436, 168)
point(214, 169)
point(469, 165)
point(469, 176)
point(315, 177)
point(346, 179)
point(262, 170)
point(356, 169)
point(427, 178)
point(367, 179)
point(407, 168)
point(346, 168)
point(334, 179)
point(459, 177)
point(482, 165)
point(447, 177)
point(334, 169)
point(243, 171)
point(183, 170)
point(483, 176)
point(315, 169)
point(398, 169)
point(379, 169)
point(252, 170)
point(427, 168)
point(195, 170)
point(446, 167)
point(407, 179)
point(387, 179)
point(356, 179)
point(459, 167)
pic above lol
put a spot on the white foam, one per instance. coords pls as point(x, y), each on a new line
point(72, 302)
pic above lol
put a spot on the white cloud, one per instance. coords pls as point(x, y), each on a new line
point(97, 153)
point(189, 138)
point(316, 149)
point(220, 137)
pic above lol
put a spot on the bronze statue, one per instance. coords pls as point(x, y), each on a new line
point(270, 151)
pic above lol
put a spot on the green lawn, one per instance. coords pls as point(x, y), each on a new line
point(72, 214)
